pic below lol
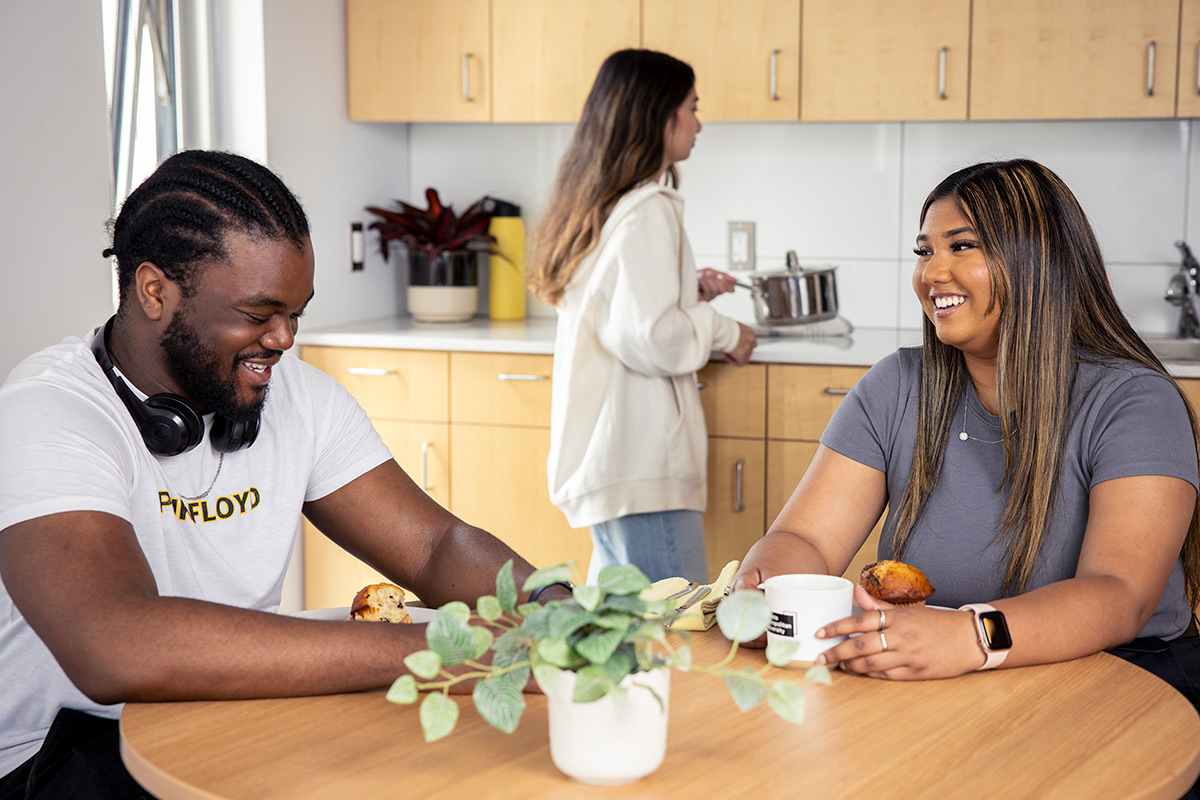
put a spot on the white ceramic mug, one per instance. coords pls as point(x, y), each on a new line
point(800, 604)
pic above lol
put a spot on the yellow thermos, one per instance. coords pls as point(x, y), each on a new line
point(506, 275)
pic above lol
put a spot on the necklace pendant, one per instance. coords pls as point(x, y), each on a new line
point(963, 436)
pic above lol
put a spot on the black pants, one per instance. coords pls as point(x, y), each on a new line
point(79, 760)
point(1177, 662)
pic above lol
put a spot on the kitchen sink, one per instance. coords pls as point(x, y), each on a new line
point(1169, 348)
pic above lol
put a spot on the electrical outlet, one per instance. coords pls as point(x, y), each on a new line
point(356, 246)
point(741, 245)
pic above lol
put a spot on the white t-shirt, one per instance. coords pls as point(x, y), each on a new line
point(68, 444)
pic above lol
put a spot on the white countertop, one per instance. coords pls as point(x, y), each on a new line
point(535, 335)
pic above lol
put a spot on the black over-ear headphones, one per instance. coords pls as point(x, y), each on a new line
point(170, 424)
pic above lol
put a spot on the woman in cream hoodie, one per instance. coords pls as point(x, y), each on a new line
point(628, 444)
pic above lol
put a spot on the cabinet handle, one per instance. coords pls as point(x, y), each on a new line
point(1150, 70)
point(833, 391)
point(516, 376)
point(942, 72)
point(774, 75)
point(425, 465)
point(738, 469)
point(371, 371)
point(466, 78)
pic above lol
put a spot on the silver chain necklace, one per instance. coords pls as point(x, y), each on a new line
point(204, 494)
point(964, 435)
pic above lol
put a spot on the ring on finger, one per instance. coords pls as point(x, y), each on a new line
point(882, 620)
point(883, 639)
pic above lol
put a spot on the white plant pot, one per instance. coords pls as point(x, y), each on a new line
point(610, 742)
point(443, 303)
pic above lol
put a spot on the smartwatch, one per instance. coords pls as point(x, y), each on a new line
point(992, 629)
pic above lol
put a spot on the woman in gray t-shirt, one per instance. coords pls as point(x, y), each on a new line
point(1037, 460)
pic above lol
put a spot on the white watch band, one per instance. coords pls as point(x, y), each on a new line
point(993, 658)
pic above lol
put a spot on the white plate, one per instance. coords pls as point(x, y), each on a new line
point(418, 613)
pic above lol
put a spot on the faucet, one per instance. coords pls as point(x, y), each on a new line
point(1184, 291)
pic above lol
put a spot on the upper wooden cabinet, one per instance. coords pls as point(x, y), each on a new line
point(418, 60)
point(1188, 103)
point(896, 60)
point(1073, 59)
point(746, 54)
point(546, 53)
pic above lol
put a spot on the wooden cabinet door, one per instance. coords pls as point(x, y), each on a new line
point(884, 60)
point(1188, 104)
point(546, 53)
point(746, 53)
point(734, 399)
point(1073, 59)
point(331, 575)
point(734, 519)
point(389, 384)
point(498, 475)
point(802, 398)
point(501, 388)
point(788, 462)
point(418, 60)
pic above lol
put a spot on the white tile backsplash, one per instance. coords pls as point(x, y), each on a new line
point(849, 194)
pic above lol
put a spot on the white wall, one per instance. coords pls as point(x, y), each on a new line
point(54, 161)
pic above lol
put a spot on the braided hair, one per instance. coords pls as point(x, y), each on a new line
point(179, 217)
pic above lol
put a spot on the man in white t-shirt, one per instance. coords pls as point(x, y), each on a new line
point(150, 491)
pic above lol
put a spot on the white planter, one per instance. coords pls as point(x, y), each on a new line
point(609, 743)
point(443, 303)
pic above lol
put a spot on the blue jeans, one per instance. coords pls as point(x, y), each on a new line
point(662, 544)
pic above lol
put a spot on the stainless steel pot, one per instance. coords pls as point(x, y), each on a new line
point(794, 296)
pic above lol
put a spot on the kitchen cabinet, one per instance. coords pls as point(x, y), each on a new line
point(418, 60)
point(899, 60)
point(1188, 89)
point(500, 439)
point(406, 395)
point(800, 401)
point(746, 54)
point(1073, 59)
point(546, 53)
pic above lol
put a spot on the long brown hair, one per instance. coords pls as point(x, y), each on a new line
point(618, 143)
point(1057, 309)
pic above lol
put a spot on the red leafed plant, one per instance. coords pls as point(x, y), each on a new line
point(431, 230)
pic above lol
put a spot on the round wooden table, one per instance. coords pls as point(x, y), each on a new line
point(1094, 727)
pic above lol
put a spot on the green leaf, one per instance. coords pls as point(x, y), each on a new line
point(512, 646)
point(591, 683)
point(537, 623)
point(483, 640)
point(746, 687)
point(819, 673)
point(439, 715)
point(588, 596)
point(743, 616)
point(621, 664)
point(786, 698)
point(613, 621)
point(449, 635)
point(627, 605)
point(597, 647)
point(566, 618)
point(506, 588)
point(458, 609)
point(682, 660)
point(423, 663)
point(623, 579)
point(659, 608)
point(780, 651)
point(547, 676)
point(507, 656)
point(650, 631)
point(556, 652)
point(547, 576)
point(489, 608)
point(403, 690)
point(500, 701)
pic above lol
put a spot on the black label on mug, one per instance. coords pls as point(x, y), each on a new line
point(783, 623)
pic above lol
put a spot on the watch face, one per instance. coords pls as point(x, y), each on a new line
point(995, 630)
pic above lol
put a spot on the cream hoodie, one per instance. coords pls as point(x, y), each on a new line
point(627, 432)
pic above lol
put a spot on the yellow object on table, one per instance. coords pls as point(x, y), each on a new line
point(702, 615)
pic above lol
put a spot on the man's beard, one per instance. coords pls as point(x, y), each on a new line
point(200, 371)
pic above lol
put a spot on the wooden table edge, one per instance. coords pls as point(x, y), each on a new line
point(155, 780)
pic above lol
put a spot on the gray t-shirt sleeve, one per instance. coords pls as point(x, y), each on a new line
point(868, 424)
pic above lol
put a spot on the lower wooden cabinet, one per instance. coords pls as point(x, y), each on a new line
point(734, 519)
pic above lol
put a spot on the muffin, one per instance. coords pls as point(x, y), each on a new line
point(896, 582)
point(381, 602)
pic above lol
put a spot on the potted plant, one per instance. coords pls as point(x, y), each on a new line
point(443, 273)
point(605, 654)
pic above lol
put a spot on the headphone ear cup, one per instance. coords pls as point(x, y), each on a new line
point(227, 436)
point(170, 425)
